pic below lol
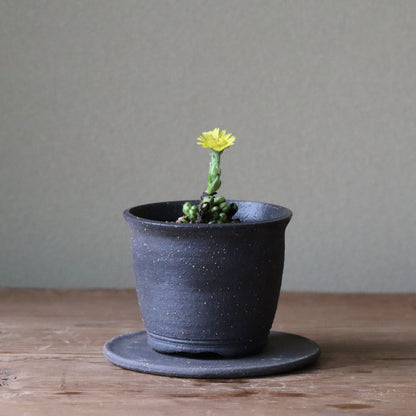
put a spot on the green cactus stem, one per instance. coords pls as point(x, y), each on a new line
point(214, 173)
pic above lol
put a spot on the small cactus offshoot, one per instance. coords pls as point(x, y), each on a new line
point(212, 208)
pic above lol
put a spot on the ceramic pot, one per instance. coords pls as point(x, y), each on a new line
point(208, 288)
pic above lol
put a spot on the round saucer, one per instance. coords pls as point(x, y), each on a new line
point(284, 352)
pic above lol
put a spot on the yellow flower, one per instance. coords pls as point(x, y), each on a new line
point(215, 140)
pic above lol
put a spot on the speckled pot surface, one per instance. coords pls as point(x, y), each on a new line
point(208, 288)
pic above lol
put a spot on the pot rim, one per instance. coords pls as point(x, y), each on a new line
point(284, 217)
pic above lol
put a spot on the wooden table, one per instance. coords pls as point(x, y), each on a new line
point(51, 360)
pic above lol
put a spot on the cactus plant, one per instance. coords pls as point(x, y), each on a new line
point(212, 208)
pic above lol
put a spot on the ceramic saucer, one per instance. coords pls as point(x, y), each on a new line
point(284, 352)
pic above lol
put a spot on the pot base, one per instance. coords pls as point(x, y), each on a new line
point(226, 349)
point(283, 353)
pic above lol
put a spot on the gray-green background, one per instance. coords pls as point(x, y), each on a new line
point(102, 102)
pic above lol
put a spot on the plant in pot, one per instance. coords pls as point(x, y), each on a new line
point(208, 275)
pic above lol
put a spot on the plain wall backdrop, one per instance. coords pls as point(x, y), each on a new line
point(102, 102)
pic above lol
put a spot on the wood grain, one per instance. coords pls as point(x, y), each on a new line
point(51, 359)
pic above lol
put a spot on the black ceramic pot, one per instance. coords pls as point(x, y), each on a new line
point(208, 288)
